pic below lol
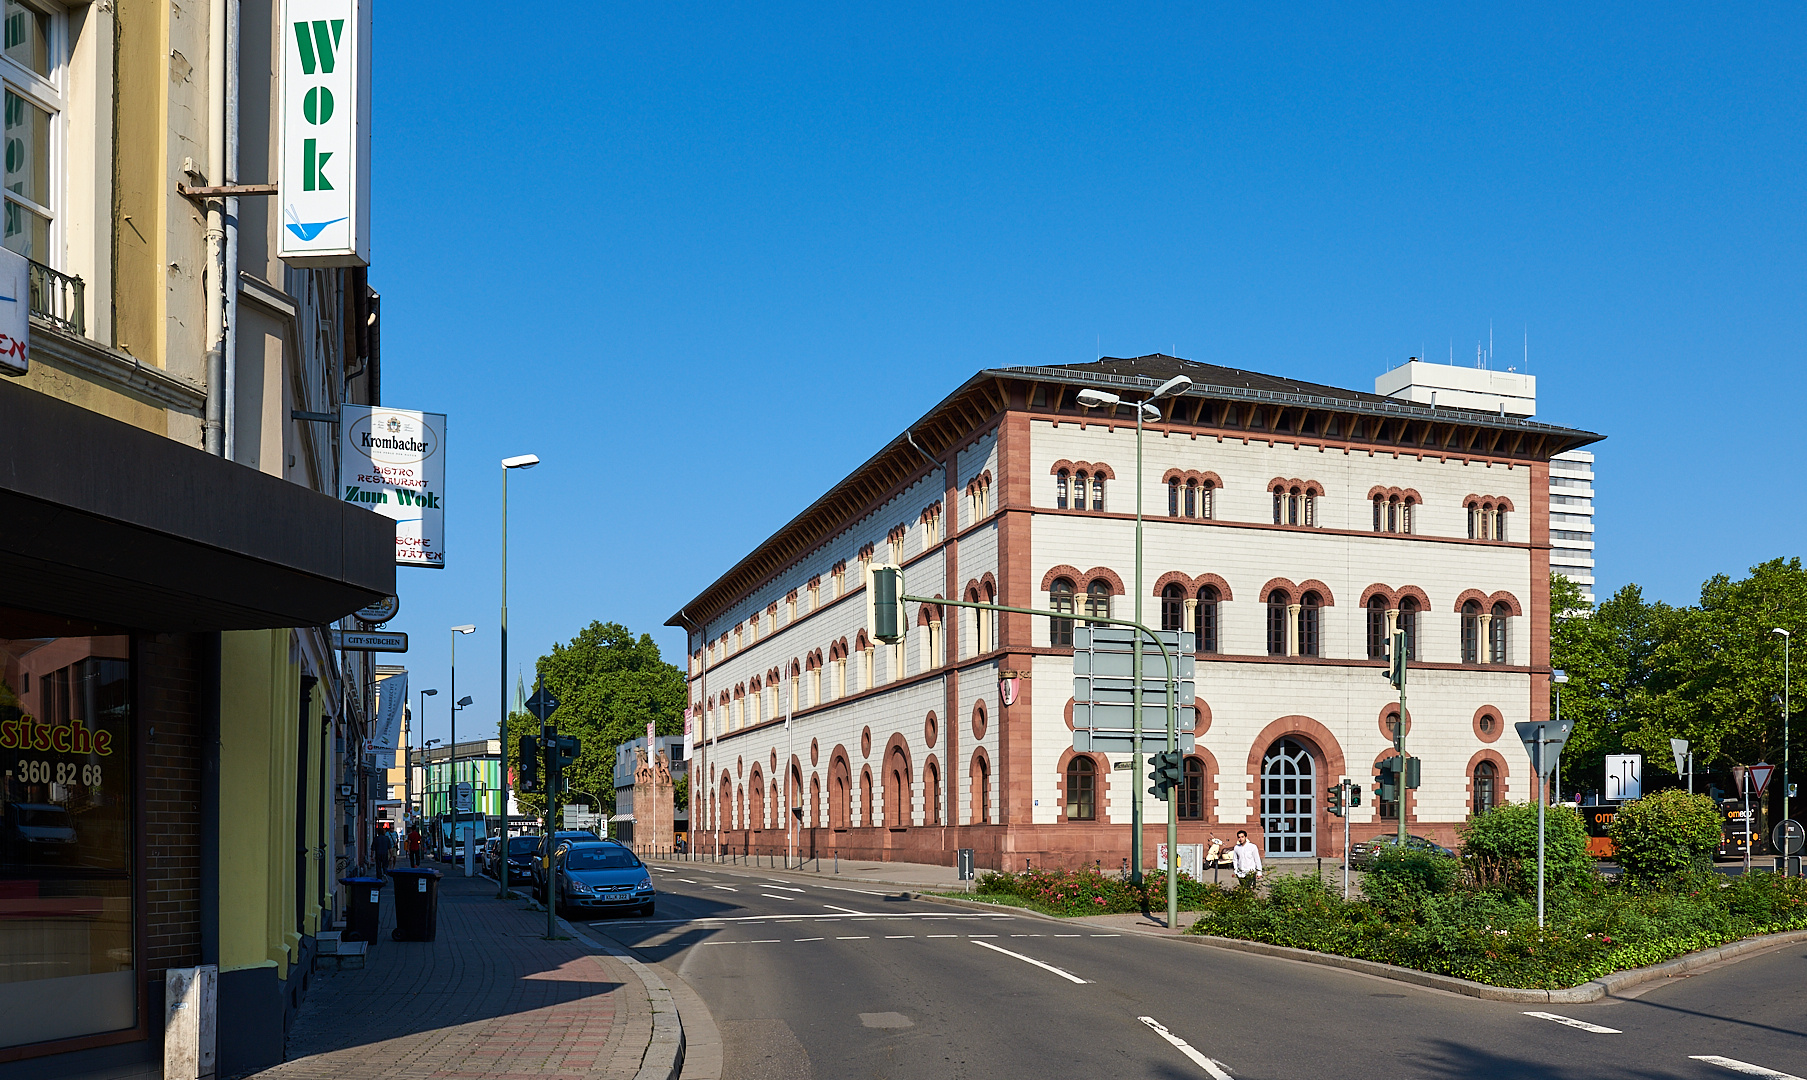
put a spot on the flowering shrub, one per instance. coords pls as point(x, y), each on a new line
point(1088, 892)
point(1593, 927)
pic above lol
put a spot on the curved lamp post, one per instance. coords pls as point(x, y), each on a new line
point(523, 461)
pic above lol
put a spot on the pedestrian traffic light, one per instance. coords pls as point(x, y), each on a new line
point(564, 750)
point(1355, 795)
point(1333, 800)
point(1411, 772)
point(884, 603)
point(1164, 769)
point(527, 779)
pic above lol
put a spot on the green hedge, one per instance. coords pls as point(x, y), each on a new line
point(1490, 935)
point(1669, 832)
point(1088, 892)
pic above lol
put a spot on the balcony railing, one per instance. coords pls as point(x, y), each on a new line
point(59, 299)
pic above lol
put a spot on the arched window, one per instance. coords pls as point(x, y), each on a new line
point(1393, 514)
point(840, 795)
point(1277, 602)
point(1098, 492)
point(1173, 608)
point(1380, 513)
point(1486, 787)
point(1408, 622)
point(1377, 628)
point(1098, 600)
point(897, 790)
point(1206, 499)
point(1173, 498)
point(1497, 651)
point(1192, 498)
point(1079, 489)
point(1405, 515)
point(1080, 803)
point(1288, 799)
point(1279, 506)
point(931, 794)
point(1208, 599)
point(1471, 632)
point(981, 779)
point(755, 802)
point(1060, 599)
point(1474, 522)
point(1062, 481)
point(1499, 523)
point(1192, 790)
point(1310, 607)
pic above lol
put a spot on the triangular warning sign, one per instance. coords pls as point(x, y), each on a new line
point(1760, 774)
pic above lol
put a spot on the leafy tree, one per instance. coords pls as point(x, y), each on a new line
point(1664, 834)
point(1610, 654)
point(609, 685)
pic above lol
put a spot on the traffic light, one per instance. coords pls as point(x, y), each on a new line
point(884, 603)
point(1388, 786)
point(527, 779)
point(564, 751)
point(1355, 795)
point(1164, 769)
point(1333, 800)
point(1411, 772)
point(1396, 660)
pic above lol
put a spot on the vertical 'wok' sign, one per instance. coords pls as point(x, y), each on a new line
point(392, 461)
point(324, 189)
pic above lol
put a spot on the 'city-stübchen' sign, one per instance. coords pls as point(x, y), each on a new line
point(324, 168)
point(392, 461)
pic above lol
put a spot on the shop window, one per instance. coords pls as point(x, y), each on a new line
point(66, 823)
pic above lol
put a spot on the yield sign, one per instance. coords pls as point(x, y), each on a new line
point(1760, 774)
point(1544, 742)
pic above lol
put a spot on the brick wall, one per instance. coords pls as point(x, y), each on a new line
point(169, 815)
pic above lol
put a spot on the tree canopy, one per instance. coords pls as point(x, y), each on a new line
point(1642, 672)
point(609, 685)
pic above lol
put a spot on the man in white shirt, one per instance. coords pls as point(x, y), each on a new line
point(1245, 860)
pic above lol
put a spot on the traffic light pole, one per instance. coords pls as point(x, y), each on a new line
point(1173, 739)
point(1346, 785)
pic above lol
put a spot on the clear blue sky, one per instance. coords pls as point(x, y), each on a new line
point(704, 260)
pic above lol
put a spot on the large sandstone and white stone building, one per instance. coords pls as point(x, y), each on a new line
point(1290, 525)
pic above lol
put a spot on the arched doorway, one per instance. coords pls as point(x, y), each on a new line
point(1288, 799)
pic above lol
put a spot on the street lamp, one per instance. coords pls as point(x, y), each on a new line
point(1787, 639)
point(1560, 678)
point(523, 461)
point(408, 753)
point(451, 790)
point(1145, 410)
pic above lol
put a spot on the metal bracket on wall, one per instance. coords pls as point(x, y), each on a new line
point(227, 191)
point(316, 417)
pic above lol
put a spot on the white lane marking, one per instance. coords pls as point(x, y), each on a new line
point(786, 888)
point(806, 939)
point(1212, 1069)
point(1107, 935)
point(664, 870)
point(848, 910)
point(763, 941)
point(1067, 975)
point(775, 896)
point(943, 935)
point(725, 888)
point(981, 935)
point(861, 937)
point(688, 881)
point(895, 937)
point(1572, 1022)
point(1744, 1067)
point(1069, 935)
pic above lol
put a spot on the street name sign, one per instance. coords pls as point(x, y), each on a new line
point(369, 641)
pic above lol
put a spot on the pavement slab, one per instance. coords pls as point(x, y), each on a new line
point(489, 999)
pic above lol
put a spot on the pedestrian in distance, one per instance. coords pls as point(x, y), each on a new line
point(414, 845)
point(381, 849)
point(1245, 861)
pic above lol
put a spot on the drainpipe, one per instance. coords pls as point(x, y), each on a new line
point(214, 426)
point(229, 278)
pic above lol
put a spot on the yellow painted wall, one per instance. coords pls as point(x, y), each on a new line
point(141, 194)
point(260, 691)
point(48, 378)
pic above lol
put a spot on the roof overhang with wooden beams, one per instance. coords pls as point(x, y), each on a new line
point(1250, 404)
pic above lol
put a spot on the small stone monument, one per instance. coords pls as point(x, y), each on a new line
point(654, 805)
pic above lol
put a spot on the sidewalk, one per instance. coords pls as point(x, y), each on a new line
point(488, 999)
point(927, 877)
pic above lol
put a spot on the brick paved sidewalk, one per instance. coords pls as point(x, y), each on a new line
point(488, 1000)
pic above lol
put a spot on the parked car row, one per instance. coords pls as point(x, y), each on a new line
point(588, 874)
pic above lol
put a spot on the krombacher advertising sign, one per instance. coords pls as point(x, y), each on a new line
point(392, 461)
point(324, 190)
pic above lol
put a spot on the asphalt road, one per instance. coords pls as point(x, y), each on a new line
point(809, 980)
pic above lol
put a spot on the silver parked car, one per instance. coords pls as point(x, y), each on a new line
point(603, 878)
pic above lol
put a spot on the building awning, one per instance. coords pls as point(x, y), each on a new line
point(108, 522)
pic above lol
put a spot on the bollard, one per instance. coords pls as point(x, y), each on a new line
point(837, 860)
